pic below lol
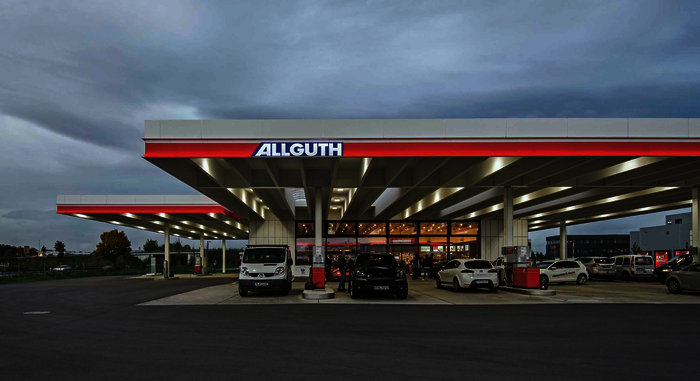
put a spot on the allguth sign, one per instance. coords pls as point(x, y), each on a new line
point(283, 149)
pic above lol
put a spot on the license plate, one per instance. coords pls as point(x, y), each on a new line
point(381, 287)
point(482, 281)
point(641, 270)
point(261, 283)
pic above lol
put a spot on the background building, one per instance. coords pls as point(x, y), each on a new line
point(598, 245)
point(675, 235)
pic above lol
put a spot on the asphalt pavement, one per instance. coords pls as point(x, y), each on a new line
point(95, 330)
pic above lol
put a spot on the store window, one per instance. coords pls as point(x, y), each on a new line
point(341, 228)
point(464, 247)
point(340, 246)
point(402, 228)
point(305, 229)
point(371, 245)
point(372, 228)
point(465, 228)
point(433, 245)
point(433, 228)
point(304, 251)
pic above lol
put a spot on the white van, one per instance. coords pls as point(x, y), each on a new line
point(634, 266)
point(265, 268)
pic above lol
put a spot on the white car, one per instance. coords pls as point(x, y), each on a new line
point(562, 271)
point(468, 274)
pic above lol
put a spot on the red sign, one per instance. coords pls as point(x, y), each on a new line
point(661, 257)
point(681, 252)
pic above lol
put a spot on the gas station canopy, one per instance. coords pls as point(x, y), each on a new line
point(568, 171)
point(188, 216)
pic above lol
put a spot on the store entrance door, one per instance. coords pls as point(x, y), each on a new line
point(404, 250)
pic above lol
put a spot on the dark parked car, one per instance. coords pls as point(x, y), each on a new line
point(378, 273)
point(675, 263)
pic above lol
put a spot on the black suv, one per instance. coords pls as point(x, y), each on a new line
point(675, 263)
point(377, 273)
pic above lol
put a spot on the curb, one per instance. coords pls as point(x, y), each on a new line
point(528, 291)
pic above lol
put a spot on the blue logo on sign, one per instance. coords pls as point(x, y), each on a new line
point(284, 149)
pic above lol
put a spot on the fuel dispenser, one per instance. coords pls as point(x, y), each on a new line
point(198, 268)
point(518, 270)
point(318, 272)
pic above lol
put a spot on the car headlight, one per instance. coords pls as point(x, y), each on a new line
point(244, 271)
point(666, 270)
point(359, 274)
point(399, 273)
point(279, 271)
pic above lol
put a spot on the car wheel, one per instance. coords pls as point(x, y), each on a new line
point(626, 276)
point(455, 286)
point(673, 286)
point(438, 284)
point(543, 280)
point(286, 290)
point(242, 292)
point(582, 279)
point(402, 295)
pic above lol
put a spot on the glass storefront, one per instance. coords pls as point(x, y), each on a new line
point(402, 228)
point(402, 239)
point(463, 247)
point(372, 245)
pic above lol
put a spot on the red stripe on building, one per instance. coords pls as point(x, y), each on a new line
point(437, 149)
point(172, 209)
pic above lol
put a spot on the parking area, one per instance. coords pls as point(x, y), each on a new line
point(425, 293)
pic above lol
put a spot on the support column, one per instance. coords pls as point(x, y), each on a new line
point(201, 253)
point(318, 228)
point(562, 240)
point(696, 226)
point(223, 252)
point(166, 243)
point(319, 257)
point(508, 216)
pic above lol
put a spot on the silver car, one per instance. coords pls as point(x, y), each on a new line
point(599, 267)
point(687, 278)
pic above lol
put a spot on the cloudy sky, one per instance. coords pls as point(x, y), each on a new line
point(77, 79)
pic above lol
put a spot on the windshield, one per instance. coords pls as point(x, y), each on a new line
point(264, 255)
point(603, 260)
point(479, 265)
point(642, 261)
point(376, 260)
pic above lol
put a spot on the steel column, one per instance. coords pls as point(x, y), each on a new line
point(166, 240)
point(508, 215)
point(223, 252)
point(562, 240)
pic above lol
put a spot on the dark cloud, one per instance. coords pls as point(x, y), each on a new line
point(78, 78)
